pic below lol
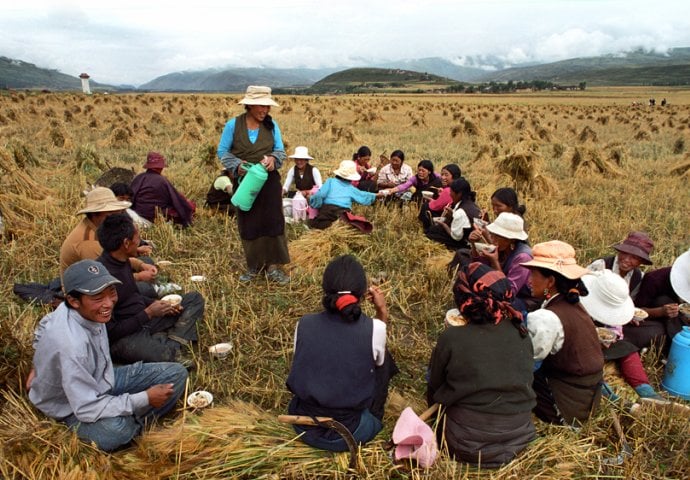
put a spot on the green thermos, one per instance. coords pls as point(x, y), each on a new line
point(249, 187)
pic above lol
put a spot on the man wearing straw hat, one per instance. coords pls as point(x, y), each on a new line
point(74, 380)
point(250, 138)
point(82, 243)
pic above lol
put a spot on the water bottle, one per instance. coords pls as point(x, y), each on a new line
point(250, 186)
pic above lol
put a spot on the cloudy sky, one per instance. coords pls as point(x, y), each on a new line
point(134, 41)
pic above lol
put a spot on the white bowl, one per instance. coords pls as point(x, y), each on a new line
point(371, 170)
point(684, 308)
point(640, 315)
point(454, 318)
point(199, 399)
point(606, 336)
point(440, 219)
point(220, 350)
point(173, 299)
point(197, 278)
point(484, 246)
point(427, 194)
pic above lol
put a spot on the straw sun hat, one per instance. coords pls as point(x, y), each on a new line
point(102, 199)
point(609, 300)
point(347, 170)
point(256, 95)
point(556, 256)
point(508, 225)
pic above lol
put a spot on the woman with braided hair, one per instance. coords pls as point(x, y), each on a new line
point(341, 367)
point(568, 382)
point(482, 372)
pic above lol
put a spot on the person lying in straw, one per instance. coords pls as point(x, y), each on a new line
point(341, 368)
point(74, 379)
point(482, 372)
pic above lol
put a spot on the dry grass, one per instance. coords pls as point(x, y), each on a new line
point(48, 157)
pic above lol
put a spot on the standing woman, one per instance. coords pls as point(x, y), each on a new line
point(568, 383)
point(247, 139)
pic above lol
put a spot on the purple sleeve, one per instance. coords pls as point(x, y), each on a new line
point(412, 181)
point(518, 275)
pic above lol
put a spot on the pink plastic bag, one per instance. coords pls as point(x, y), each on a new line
point(299, 207)
point(311, 211)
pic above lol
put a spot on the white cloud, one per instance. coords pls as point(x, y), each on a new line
point(132, 41)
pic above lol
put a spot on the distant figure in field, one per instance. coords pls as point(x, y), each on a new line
point(663, 102)
point(152, 191)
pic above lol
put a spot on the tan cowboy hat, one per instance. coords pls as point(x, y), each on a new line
point(102, 199)
point(556, 256)
point(256, 95)
point(508, 225)
point(301, 152)
point(347, 170)
point(680, 276)
point(609, 299)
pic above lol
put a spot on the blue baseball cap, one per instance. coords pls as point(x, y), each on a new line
point(88, 277)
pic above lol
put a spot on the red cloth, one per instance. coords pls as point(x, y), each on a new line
point(632, 370)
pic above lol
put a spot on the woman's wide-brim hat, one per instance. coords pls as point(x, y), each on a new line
point(638, 244)
point(155, 160)
point(347, 170)
point(608, 301)
point(257, 95)
point(102, 199)
point(556, 256)
point(680, 276)
point(301, 152)
point(508, 225)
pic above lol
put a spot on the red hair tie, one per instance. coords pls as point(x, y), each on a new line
point(345, 300)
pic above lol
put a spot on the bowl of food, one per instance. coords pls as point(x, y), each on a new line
point(454, 318)
point(371, 170)
point(481, 247)
point(427, 194)
point(640, 315)
point(199, 399)
point(173, 299)
point(606, 336)
point(440, 219)
point(220, 350)
point(684, 308)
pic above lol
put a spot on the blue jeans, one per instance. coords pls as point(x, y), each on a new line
point(114, 432)
point(367, 429)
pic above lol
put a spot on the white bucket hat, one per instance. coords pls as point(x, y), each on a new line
point(609, 300)
point(256, 95)
point(347, 170)
point(680, 276)
point(301, 152)
point(508, 225)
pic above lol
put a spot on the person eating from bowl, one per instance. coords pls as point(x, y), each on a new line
point(74, 379)
point(424, 181)
point(395, 172)
point(453, 227)
point(482, 372)
point(434, 207)
point(507, 252)
point(341, 368)
point(568, 382)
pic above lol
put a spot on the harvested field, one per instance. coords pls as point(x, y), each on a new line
point(590, 168)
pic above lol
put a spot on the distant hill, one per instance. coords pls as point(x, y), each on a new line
point(235, 79)
point(360, 80)
point(437, 66)
point(634, 68)
point(23, 75)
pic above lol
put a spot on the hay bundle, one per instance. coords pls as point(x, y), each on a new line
point(642, 134)
point(587, 134)
point(543, 133)
point(88, 158)
point(683, 169)
point(115, 175)
point(679, 146)
point(190, 134)
point(316, 248)
point(23, 156)
point(615, 153)
point(588, 160)
point(523, 165)
point(120, 138)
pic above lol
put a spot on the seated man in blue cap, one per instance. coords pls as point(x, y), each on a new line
point(74, 380)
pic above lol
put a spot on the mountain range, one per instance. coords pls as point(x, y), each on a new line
point(631, 68)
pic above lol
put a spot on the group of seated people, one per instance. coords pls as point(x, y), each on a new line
point(112, 355)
